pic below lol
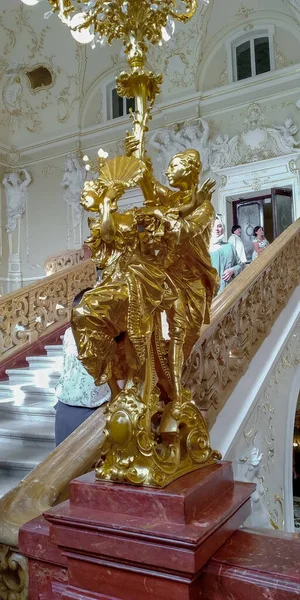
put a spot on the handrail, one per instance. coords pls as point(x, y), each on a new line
point(30, 313)
point(63, 260)
point(241, 317)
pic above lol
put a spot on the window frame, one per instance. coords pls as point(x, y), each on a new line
point(109, 104)
point(240, 37)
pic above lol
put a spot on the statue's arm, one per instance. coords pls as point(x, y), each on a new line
point(26, 181)
point(152, 190)
point(199, 198)
point(108, 226)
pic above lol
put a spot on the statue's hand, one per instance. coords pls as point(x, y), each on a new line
point(206, 190)
point(115, 192)
point(131, 144)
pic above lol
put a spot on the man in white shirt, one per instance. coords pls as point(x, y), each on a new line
point(78, 396)
point(236, 242)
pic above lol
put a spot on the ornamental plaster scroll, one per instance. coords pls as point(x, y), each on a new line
point(256, 142)
point(15, 184)
point(178, 60)
point(258, 451)
point(248, 468)
point(22, 107)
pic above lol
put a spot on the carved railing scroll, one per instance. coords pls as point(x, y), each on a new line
point(13, 574)
point(60, 261)
point(35, 310)
point(241, 318)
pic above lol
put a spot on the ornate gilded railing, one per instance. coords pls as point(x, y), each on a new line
point(35, 310)
point(241, 318)
point(62, 260)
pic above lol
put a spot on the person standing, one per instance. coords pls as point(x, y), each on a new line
point(78, 396)
point(259, 241)
point(223, 255)
point(236, 242)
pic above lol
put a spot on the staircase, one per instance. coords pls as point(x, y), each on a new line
point(27, 401)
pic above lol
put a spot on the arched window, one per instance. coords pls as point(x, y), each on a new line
point(117, 106)
point(250, 54)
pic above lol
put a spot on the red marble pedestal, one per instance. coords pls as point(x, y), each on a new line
point(128, 543)
point(254, 564)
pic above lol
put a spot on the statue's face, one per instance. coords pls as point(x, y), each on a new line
point(69, 165)
point(14, 179)
point(190, 133)
point(165, 138)
point(176, 172)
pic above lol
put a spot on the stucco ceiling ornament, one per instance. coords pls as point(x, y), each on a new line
point(168, 141)
point(13, 90)
point(244, 12)
point(256, 142)
point(15, 106)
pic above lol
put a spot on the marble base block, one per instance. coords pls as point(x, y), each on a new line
point(254, 564)
point(132, 543)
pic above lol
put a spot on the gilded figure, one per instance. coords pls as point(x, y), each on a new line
point(154, 259)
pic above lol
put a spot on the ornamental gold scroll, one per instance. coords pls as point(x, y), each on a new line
point(154, 260)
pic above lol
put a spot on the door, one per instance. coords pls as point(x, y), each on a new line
point(282, 208)
point(248, 214)
point(274, 212)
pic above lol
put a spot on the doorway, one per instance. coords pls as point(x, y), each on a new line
point(272, 210)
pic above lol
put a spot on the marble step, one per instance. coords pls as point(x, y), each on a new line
point(19, 376)
point(14, 428)
point(36, 393)
point(15, 454)
point(43, 362)
point(8, 391)
point(9, 478)
point(28, 409)
point(53, 379)
point(55, 350)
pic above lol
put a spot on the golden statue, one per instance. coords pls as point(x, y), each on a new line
point(155, 261)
